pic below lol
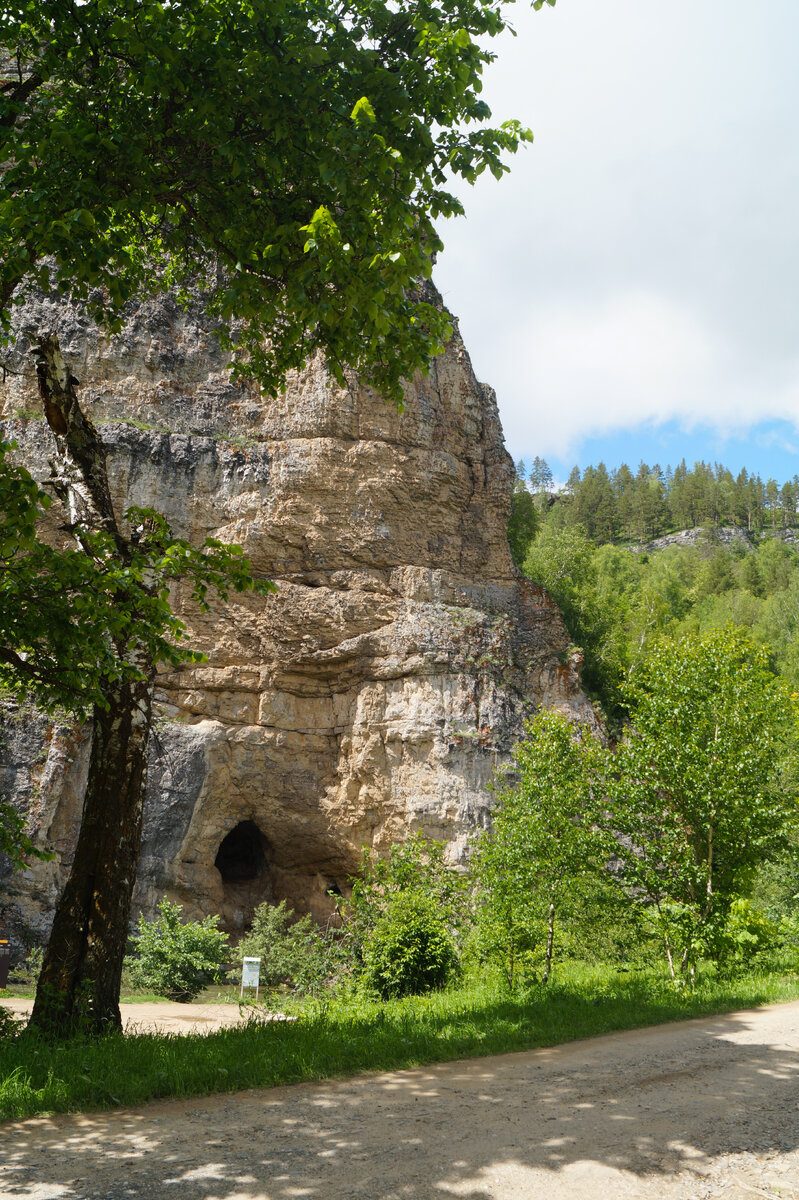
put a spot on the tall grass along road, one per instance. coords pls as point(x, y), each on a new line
point(705, 1108)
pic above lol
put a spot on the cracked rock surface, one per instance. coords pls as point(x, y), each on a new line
point(375, 692)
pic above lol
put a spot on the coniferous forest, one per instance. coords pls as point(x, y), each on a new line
point(590, 544)
point(622, 505)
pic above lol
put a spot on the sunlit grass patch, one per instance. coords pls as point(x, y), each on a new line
point(348, 1036)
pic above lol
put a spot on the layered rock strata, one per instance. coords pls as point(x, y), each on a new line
point(376, 692)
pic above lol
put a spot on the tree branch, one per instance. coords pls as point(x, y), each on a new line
point(83, 442)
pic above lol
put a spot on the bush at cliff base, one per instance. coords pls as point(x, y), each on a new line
point(296, 956)
point(410, 949)
point(175, 958)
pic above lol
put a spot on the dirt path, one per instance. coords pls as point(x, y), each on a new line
point(706, 1109)
point(159, 1015)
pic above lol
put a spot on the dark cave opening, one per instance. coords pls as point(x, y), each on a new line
point(242, 854)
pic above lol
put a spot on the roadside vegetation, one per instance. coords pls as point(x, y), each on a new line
point(343, 1037)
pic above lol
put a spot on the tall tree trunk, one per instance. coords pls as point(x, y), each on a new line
point(669, 956)
point(550, 942)
point(666, 942)
point(80, 979)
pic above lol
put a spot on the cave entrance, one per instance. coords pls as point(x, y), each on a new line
point(242, 854)
point(242, 861)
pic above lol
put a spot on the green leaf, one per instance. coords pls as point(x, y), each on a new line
point(363, 113)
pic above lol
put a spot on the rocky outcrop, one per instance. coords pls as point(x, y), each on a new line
point(790, 535)
point(701, 535)
point(375, 692)
point(731, 536)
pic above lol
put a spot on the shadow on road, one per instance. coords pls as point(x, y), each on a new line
point(649, 1103)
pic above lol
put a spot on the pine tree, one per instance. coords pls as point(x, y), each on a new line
point(541, 478)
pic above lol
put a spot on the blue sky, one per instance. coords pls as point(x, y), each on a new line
point(630, 289)
point(771, 448)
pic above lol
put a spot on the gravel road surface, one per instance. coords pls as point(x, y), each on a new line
point(704, 1110)
point(161, 1016)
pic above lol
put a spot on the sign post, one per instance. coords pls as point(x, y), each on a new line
point(250, 975)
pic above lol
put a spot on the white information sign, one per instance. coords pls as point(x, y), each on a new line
point(250, 974)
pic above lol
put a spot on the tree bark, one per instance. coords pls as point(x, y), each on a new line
point(550, 942)
point(79, 984)
point(669, 956)
point(82, 472)
point(80, 979)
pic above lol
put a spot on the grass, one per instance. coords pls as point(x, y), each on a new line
point(346, 1038)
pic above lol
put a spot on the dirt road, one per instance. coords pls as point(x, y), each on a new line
point(161, 1016)
point(706, 1109)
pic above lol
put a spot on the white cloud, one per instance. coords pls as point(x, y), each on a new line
point(775, 439)
point(639, 264)
point(575, 371)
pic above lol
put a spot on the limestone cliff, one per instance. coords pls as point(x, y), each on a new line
point(375, 692)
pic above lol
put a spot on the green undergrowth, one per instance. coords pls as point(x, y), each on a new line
point(341, 1038)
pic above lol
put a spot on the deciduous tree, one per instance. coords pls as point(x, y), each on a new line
point(85, 627)
point(543, 843)
point(288, 160)
point(699, 795)
point(290, 157)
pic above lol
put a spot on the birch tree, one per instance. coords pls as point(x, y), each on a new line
point(700, 793)
point(543, 843)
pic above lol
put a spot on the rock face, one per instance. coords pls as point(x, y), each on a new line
point(725, 535)
point(374, 693)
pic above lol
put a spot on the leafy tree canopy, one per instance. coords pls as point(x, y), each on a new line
point(703, 789)
point(532, 865)
point(291, 156)
point(173, 957)
point(563, 560)
point(522, 525)
point(417, 867)
point(617, 603)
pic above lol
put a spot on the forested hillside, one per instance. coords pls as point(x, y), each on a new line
point(586, 545)
point(622, 506)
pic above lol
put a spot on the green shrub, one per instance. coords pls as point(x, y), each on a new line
point(776, 883)
point(10, 1024)
point(28, 971)
point(416, 865)
point(410, 949)
point(510, 937)
point(788, 943)
point(174, 958)
point(293, 953)
point(747, 935)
